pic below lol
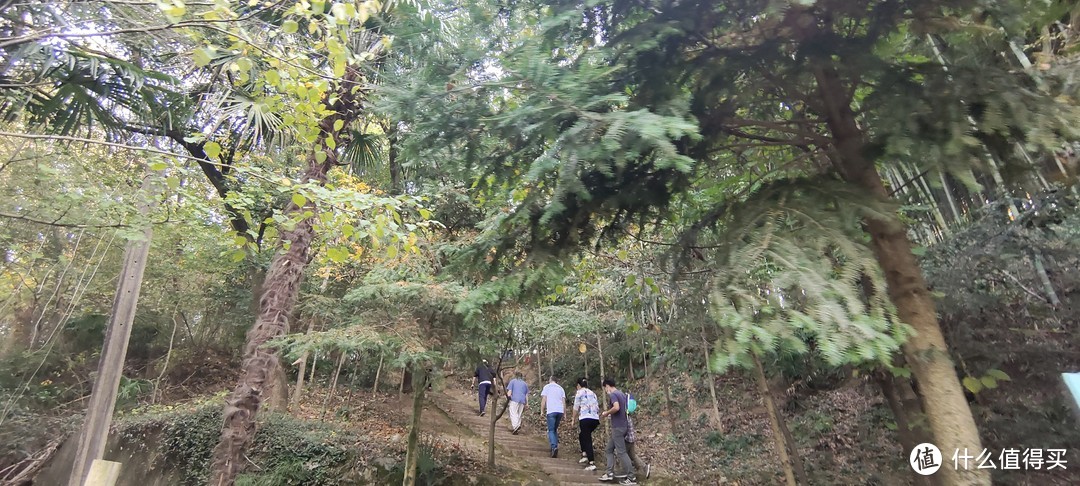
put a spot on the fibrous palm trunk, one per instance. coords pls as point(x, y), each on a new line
point(277, 303)
point(280, 291)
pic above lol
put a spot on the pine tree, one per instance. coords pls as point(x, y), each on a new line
point(620, 107)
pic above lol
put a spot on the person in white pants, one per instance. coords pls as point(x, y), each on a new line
point(518, 393)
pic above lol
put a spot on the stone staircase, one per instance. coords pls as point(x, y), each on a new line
point(530, 446)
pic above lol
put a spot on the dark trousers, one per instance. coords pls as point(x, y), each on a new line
point(587, 426)
point(484, 388)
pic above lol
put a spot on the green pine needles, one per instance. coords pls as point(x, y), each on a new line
point(794, 277)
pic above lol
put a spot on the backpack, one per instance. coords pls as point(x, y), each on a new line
point(631, 404)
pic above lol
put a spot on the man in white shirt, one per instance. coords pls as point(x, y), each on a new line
point(553, 405)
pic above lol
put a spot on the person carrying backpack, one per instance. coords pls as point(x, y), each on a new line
point(631, 440)
point(617, 443)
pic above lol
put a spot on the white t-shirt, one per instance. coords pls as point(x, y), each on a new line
point(556, 398)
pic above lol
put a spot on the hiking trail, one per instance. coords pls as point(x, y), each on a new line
point(530, 444)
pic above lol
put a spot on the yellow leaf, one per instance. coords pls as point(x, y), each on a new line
point(202, 56)
point(299, 200)
point(289, 26)
point(212, 149)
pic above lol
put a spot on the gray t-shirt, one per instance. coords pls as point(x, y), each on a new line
point(618, 419)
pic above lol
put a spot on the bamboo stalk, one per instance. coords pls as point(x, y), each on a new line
point(1048, 286)
point(949, 197)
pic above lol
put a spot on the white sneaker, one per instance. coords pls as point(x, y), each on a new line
point(583, 460)
point(607, 477)
point(590, 467)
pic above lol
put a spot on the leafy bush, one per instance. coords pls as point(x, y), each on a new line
point(288, 451)
point(189, 440)
point(300, 452)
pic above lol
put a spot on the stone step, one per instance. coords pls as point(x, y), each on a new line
point(571, 470)
point(576, 477)
point(532, 454)
point(523, 440)
point(530, 445)
point(528, 448)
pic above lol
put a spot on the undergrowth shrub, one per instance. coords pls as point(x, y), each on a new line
point(298, 452)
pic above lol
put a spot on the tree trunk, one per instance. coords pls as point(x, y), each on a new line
point(412, 450)
point(280, 291)
point(375, 387)
point(776, 420)
point(298, 391)
point(165, 366)
point(603, 375)
point(333, 383)
point(645, 357)
point(714, 411)
point(493, 403)
point(926, 352)
point(906, 410)
point(393, 161)
point(1048, 286)
point(949, 197)
point(667, 397)
point(924, 189)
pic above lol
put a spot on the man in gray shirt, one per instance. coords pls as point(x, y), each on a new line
point(617, 443)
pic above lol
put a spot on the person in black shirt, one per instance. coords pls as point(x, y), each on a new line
point(484, 377)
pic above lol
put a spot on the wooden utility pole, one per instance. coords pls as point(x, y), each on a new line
point(103, 473)
point(95, 431)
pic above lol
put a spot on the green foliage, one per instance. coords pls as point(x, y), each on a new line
point(287, 450)
point(299, 452)
point(129, 391)
point(190, 438)
point(986, 382)
point(793, 272)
